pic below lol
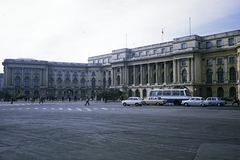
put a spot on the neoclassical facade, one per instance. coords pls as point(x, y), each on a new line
point(206, 65)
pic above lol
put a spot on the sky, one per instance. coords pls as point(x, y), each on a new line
point(73, 30)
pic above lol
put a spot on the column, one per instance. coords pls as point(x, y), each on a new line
point(141, 75)
point(148, 70)
point(165, 72)
point(134, 75)
point(174, 71)
point(156, 74)
point(189, 70)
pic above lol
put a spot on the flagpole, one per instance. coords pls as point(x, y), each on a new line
point(190, 26)
point(162, 34)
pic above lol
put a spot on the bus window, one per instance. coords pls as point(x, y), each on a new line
point(166, 93)
point(182, 93)
point(159, 93)
point(152, 93)
point(175, 93)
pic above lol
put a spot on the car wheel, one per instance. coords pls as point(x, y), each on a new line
point(176, 102)
point(158, 104)
point(124, 104)
point(218, 104)
point(136, 104)
point(186, 104)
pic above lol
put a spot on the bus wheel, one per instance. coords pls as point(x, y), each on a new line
point(175, 102)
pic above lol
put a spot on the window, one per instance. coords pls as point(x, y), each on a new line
point(36, 71)
point(75, 73)
point(184, 45)
point(163, 50)
point(59, 73)
point(118, 56)
point(109, 81)
point(231, 41)
point(36, 81)
point(147, 53)
point(59, 81)
point(220, 75)
point(75, 82)
point(184, 62)
point(51, 72)
point(232, 74)
point(219, 61)
point(118, 80)
point(82, 73)
point(219, 43)
point(27, 70)
point(154, 51)
point(209, 62)
point(140, 53)
point(17, 81)
point(231, 59)
point(67, 73)
point(208, 45)
point(104, 82)
point(27, 82)
point(83, 82)
point(171, 49)
point(93, 73)
point(209, 76)
point(17, 70)
point(67, 82)
point(184, 75)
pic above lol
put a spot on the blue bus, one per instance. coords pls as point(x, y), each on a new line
point(174, 96)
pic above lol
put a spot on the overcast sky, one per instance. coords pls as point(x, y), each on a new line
point(73, 30)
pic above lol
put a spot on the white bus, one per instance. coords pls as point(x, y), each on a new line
point(174, 96)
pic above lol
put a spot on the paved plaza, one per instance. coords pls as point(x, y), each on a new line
point(102, 131)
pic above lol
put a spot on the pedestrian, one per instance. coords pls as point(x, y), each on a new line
point(87, 101)
point(235, 100)
point(11, 100)
point(41, 99)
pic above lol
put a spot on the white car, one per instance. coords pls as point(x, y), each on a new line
point(194, 101)
point(211, 101)
point(137, 101)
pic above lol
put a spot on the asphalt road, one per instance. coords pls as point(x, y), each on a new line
point(56, 130)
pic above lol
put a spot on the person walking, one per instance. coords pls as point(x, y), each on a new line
point(11, 100)
point(87, 101)
point(235, 100)
point(41, 99)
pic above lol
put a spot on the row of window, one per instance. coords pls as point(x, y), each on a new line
point(27, 70)
point(219, 43)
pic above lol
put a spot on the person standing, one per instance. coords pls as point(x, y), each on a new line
point(41, 99)
point(87, 101)
point(11, 100)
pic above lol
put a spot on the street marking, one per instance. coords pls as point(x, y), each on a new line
point(36, 108)
point(19, 108)
point(52, 108)
point(69, 109)
point(88, 109)
point(95, 108)
point(60, 108)
point(44, 108)
point(104, 108)
point(28, 108)
point(79, 109)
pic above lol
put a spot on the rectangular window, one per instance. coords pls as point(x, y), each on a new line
point(51, 72)
point(82, 73)
point(184, 45)
point(231, 60)
point(219, 61)
point(163, 50)
point(171, 49)
point(17, 70)
point(209, 62)
point(118, 56)
point(219, 43)
point(59, 73)
point(154, 51)
point(208, 45)
point(147, 53)
point(27, 70)
point(36, 71)
point(184, 62)
point(231, 41)
point(75, 73)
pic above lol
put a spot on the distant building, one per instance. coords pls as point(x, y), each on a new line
point(206, 65)
point(1, 81)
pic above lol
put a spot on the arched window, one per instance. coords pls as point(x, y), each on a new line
point(232, 91)
point(209, 76)
point(109, 81)
point(83, 82)
point(118, 80)
point(59, 81)
point(93, 82)
point(75, 82)
point(162, 77)
point(209, 92)
point(27, 82)
point(232, 74)
point(220, 92)
point(67, 82)
point(137, 93)
point(36, 81)
point(220, 75)
point(184, 76)
point(130, 93)
point(17, 81)
point(171, 77)
point(50, 82)
point(144, 93)
point(104, 82)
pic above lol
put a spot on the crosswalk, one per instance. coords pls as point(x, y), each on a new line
point(84, 109)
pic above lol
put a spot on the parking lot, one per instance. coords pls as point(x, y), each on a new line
point(56, 130)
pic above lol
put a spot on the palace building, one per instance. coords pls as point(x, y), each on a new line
point(206, 65)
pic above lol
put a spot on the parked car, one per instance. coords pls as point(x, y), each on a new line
point(137, 101)
point(214, 101)
point(155, 101)
point(194, 101)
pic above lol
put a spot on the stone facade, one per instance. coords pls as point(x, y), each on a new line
point(206, 65)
